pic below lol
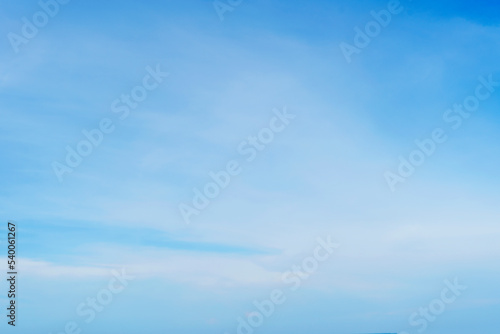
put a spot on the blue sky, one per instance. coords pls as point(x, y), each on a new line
point(322, 175)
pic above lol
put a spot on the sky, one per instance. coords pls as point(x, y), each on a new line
point(331, 126)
